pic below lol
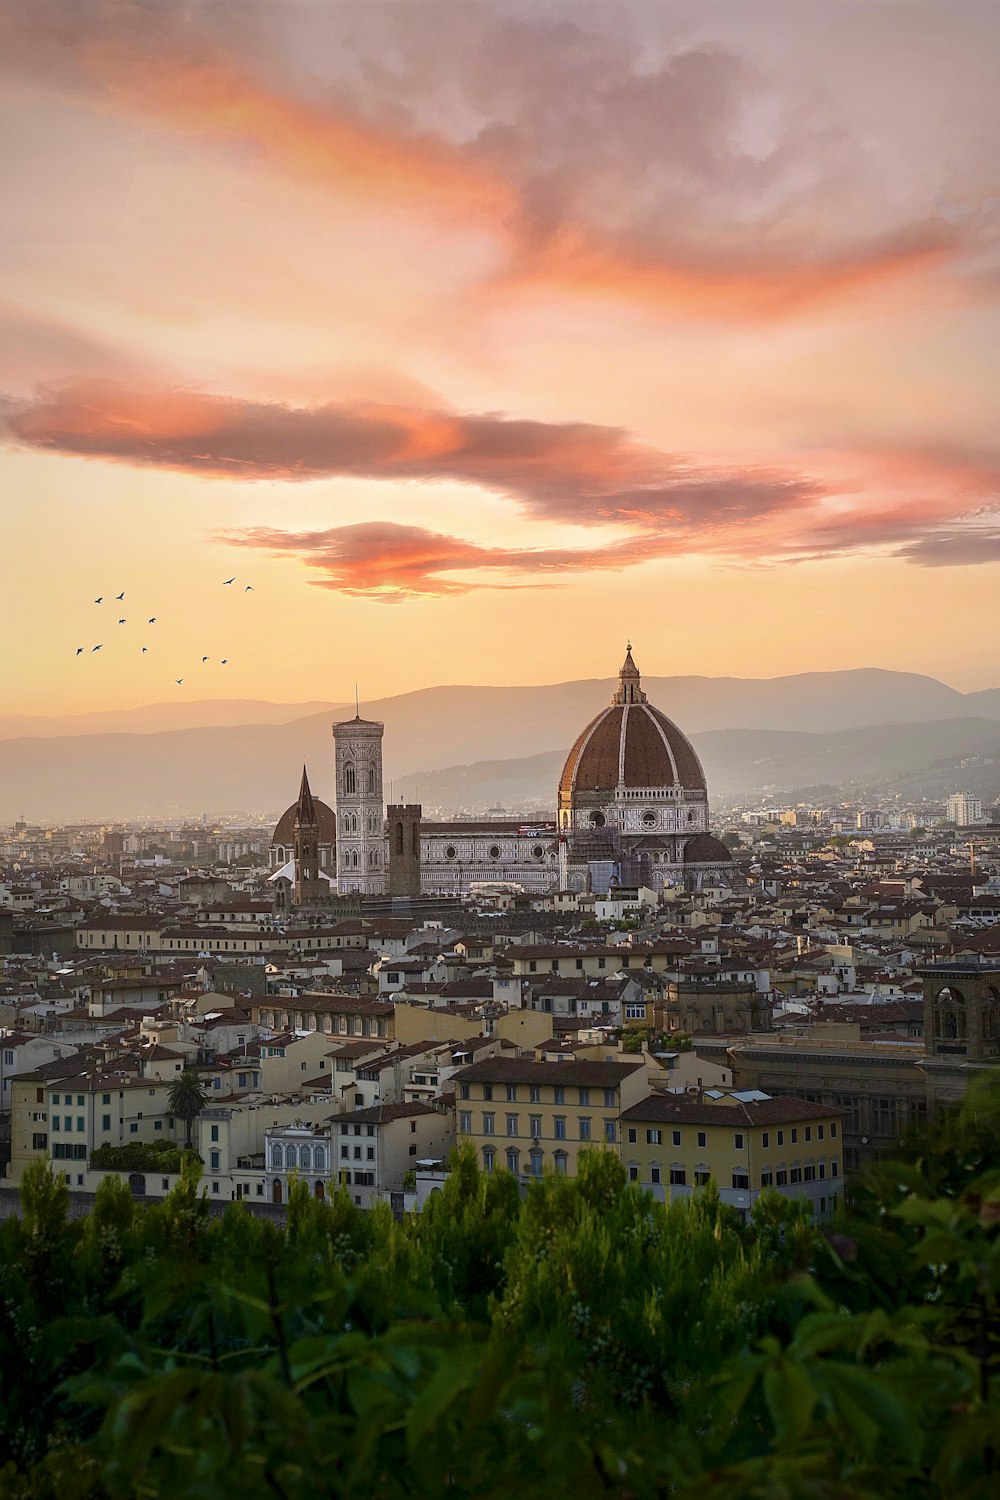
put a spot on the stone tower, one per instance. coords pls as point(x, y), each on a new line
point(360, 812)
point(403, 828)
point(305, 834)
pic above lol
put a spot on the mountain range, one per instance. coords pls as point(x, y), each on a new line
point(458, 746)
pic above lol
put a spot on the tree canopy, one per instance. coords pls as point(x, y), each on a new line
point(576, 1339)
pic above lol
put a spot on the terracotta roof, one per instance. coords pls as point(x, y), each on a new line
point(706, 849)
point(687, 1110)
point(526, 1070)
point(630, 743)
point(381, 1114)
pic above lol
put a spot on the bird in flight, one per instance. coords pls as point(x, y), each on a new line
point(121, 595)
point(97, 648)
point(151, 620)
point(178, 680)
point(144, 650)
point(79, 650)
point(248, 589)
point(224, 662)
point(122, 620)
point(100, 600)
point(204, 660)
point(227, 581)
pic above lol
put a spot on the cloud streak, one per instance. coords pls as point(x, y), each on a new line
point(579, 474)
point(390, 563)
point(576, 473)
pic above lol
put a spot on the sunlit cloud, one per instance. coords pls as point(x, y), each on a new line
point(638, 186)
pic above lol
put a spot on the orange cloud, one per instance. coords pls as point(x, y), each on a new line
point(389, 563)
point(540, 213)
point(578, 473)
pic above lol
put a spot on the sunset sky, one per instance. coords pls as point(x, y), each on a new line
point(477, 337)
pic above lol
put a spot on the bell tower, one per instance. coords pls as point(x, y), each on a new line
point(360, 810)
point(305, 834)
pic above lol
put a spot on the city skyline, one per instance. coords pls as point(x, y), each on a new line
point(466, 336)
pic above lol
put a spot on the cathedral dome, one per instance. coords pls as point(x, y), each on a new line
point(630, 744)
point(706, 849)
point(284, 833)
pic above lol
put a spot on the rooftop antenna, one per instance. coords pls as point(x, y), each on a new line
point(357, 703)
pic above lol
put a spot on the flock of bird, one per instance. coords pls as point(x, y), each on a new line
point(152, 620)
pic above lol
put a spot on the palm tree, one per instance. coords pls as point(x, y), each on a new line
point(187, 1099)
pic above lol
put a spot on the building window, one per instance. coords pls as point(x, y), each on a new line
point(678, 1177)
point(632, 1136)
point(795, 1175)
point(350, 779)
point(105, 1122)
point(513, 1159)
point(795, 1136)
point(809, 1134)
point(738, 1141)
point(702, 1138)
point(741, 1179)
point(534, 1094)
point(633, 1172)
point(584, 1098)
point(585, 1129)
point(560, 1127)
point(654, 1137)
point(463, 1092)
point(820, 1131)
point(214, 1159)
point(215, 1132)
point(781, 1137)
point(488, 1118)
point(487, 1091)
point(833, 1168)
point(609, 1098)
point(511, 1093)
point(465, 1123)
point(536, 1163)
point(559, 1094)
point(766, 1178)
point(610, 1132)
point(534, 1125)
point(676, 1137)
point(833, 1130)
point(765, 1140)
point(702, 1177)
point(560, 1159)
point(489, 1158)
point(512, 1124)
point(809, 1173)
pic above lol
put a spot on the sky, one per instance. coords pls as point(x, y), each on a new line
point(470, 339)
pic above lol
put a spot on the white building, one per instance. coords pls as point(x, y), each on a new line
point(964, 809)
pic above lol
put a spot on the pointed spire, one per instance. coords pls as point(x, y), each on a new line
point(629, 681)
point(305, 812)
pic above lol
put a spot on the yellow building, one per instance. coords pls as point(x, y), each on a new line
point(675, 1143)
point(527, 1115)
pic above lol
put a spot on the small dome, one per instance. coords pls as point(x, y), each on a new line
point(630, 744)
point(706, 849)
point(284, 833)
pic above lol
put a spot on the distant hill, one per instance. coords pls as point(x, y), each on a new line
point(480, 722)
point(153, 718)
point(256, 767)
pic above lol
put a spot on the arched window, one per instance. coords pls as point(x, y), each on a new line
point(513, 1159)
point(319, 1159)
point(354, 822)
point(536, 1163)
point(277, 1156)
point(489, 1158)
point(560, 1160)
point(354, 859)
point(305, 1158)
point(373, 858)
point(350, 779)
point(597, 819)
point(372, 779)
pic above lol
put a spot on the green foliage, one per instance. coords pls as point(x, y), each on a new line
point(138, 1156)
point(575, 1338)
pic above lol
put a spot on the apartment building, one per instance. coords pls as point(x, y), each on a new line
point(527, 1115)
point(745, 1144)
